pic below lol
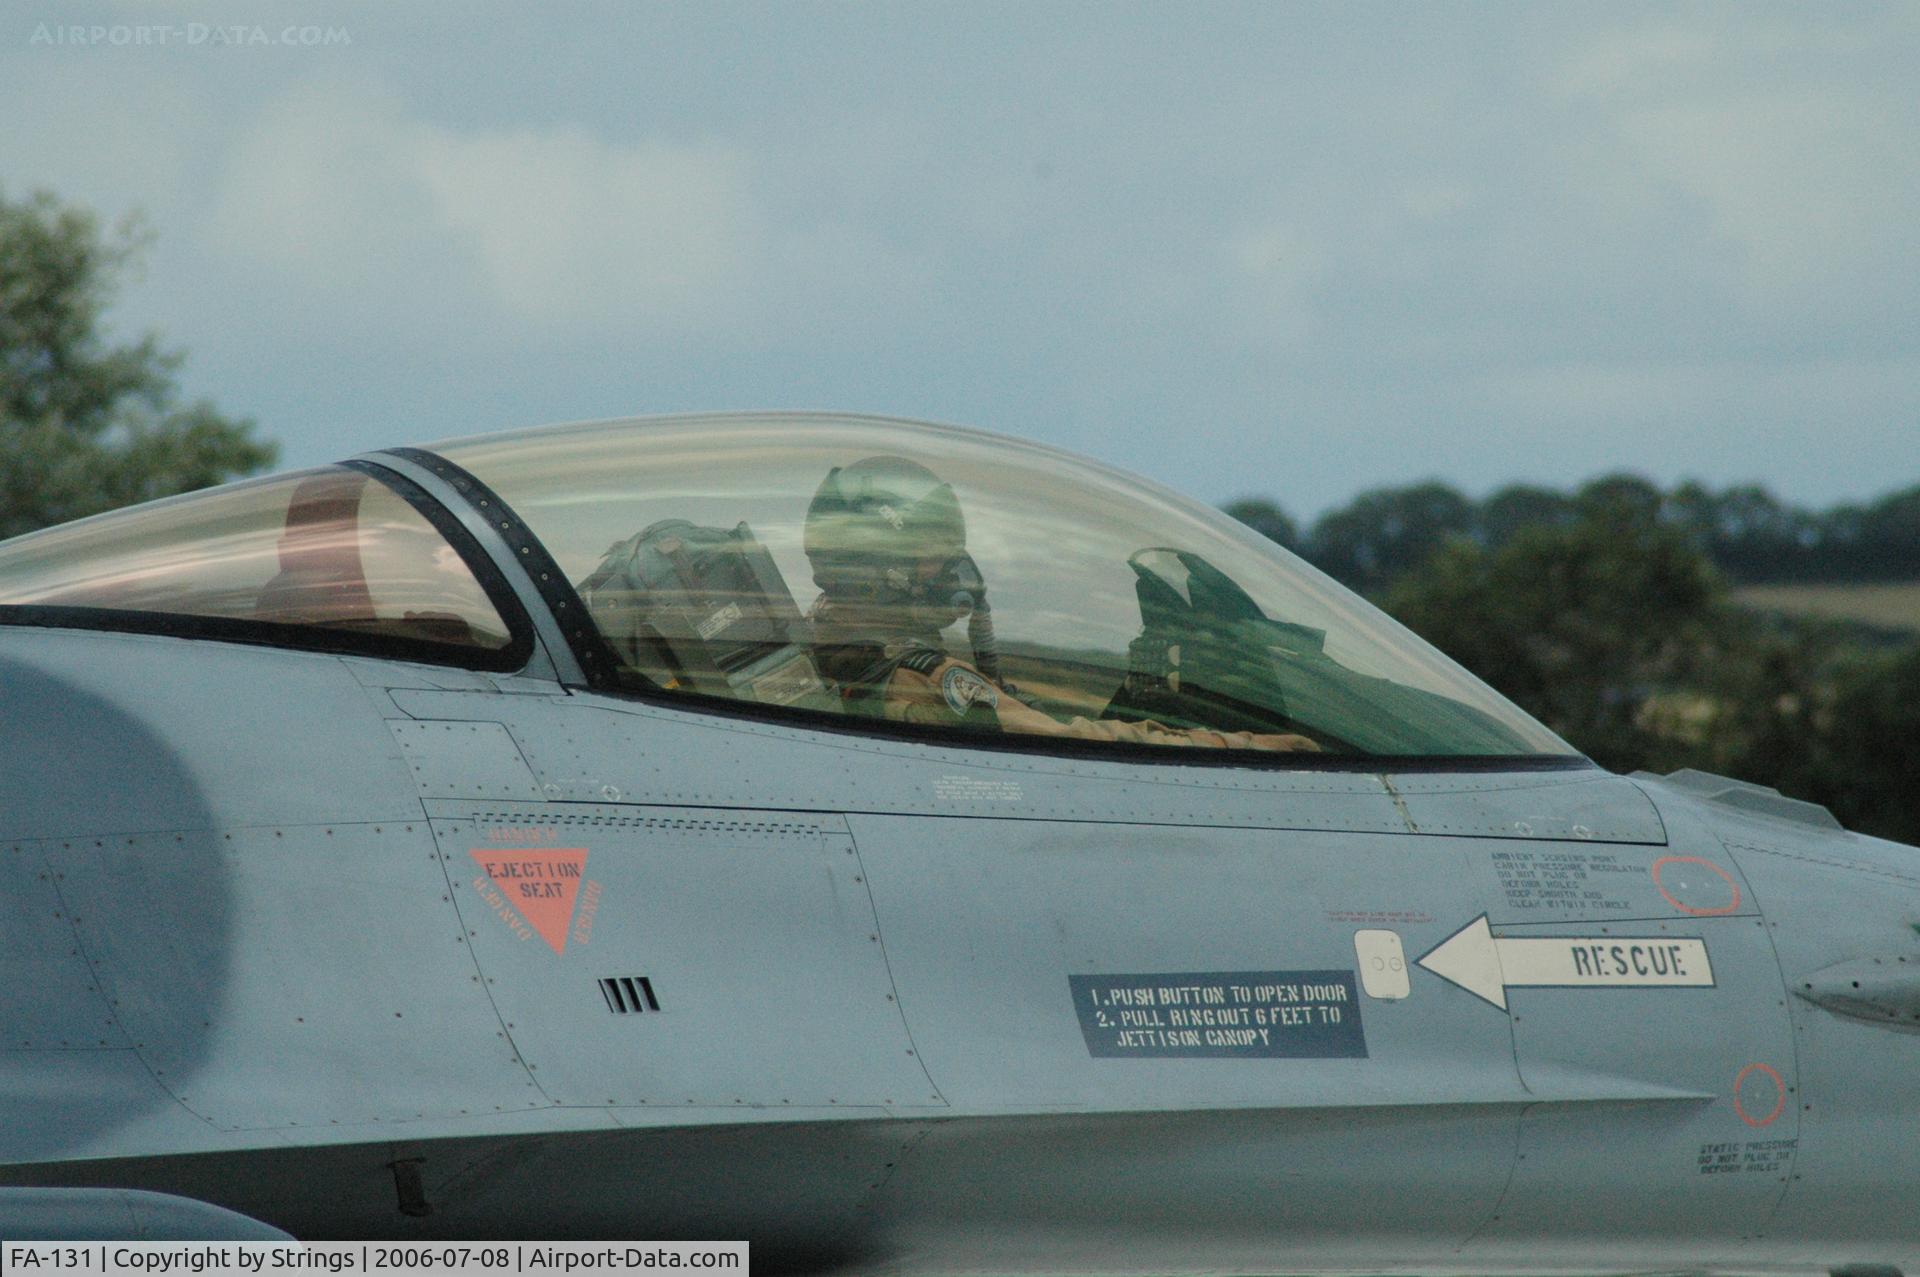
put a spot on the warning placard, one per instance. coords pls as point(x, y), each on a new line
point(533, 890)
point(1221, 1015)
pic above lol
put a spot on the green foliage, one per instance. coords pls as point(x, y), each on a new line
point(1867, 766)
point(1388, 531)
point(1517, 507)
point(1619, 496)
point(1266, 518)
point(1749, 534)
point(1769, 700)
point(1586, 625)
point(1602, 613)
point(86, 424)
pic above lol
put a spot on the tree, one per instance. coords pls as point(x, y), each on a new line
point(1890, 535)
point(1624, 495)
point(1387, 531)
point(1602, 628)
point(87, 425)
point(1266, 518)
point(1518, 506)
point(1869, 759)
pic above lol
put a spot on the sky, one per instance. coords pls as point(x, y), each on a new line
point(1286, 250)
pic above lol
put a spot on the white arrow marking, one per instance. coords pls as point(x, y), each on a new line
point(1487, 965)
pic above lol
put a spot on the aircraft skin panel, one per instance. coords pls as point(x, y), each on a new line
point(1534, 883)
point(1830, 898)
point(1580, 808)
point(987, 923)
point(240, 855)
point(592, 748)
point(464, 760)
point(1243, 1191)
point(356, 1002)
point(677, 957)
point(52, 1000)
point(1646, 1008)
point(1704, 1170)
point(194, 735)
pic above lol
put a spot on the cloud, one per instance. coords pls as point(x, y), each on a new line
point(114, 135)
point(1777, 133)
point(1273, 268)
point(1727, 419)
point(1817, 190)
point(563, 222)
point(1625, 60)
point(1330, 252)
point(344, 191)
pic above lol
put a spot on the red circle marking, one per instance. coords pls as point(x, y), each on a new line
point(1780, 1095)
point(1725, 877)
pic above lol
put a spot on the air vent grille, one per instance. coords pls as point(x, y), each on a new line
point(628, 994)
point(688, 824)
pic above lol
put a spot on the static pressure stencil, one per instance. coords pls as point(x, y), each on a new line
point(1220, 1015)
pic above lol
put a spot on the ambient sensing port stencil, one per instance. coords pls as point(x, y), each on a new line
point(1383, 964)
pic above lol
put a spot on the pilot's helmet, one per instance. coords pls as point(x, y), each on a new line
point(884, 529)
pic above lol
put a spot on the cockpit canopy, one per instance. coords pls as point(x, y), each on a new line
point(787, 565)
point(735, 556)
point(328, 558)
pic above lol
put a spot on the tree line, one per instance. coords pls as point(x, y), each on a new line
point(1746, 532)
point(1606, 614)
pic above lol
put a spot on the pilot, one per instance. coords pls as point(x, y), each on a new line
point(888, 545)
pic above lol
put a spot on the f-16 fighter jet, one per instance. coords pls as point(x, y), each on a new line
point(906, 848)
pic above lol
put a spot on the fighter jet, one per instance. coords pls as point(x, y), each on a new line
point(905, 848)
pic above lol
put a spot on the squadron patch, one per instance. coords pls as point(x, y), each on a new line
point(965, 689)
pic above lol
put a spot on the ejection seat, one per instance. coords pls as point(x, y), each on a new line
point(705, 610)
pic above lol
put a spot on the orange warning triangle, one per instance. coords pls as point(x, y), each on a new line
point(540, 883)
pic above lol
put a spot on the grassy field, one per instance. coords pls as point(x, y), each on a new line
point(1893, 606)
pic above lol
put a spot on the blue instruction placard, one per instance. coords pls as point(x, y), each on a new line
point(1218, 1015)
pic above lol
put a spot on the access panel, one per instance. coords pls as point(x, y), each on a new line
point(1205, 991)
point(672, 956)
point(1650, 1023)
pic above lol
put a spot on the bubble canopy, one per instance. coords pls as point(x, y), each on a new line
point(329, 559)
point(846, 566)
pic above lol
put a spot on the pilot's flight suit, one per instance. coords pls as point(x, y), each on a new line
point(913, 680)
point(945, 691)
point(887, 541)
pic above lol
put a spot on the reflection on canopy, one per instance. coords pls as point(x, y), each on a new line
point(325, 549)
point(1107, 598)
